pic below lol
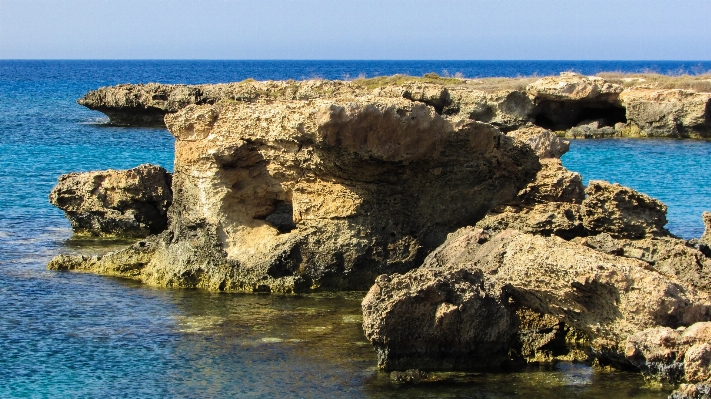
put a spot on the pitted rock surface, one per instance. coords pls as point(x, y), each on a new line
point(121, 203)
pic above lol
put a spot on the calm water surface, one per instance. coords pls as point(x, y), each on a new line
point(80, 335)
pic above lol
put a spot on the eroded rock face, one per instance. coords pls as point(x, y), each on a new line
point(121, 203)
point(668, 255)
point(288, 196)
point(622, 212)
point(692, 391)
point(676, 113)
point(570, 86)
point(673, 355)
point(575, 105)
point(459, 310)
point(544, 142)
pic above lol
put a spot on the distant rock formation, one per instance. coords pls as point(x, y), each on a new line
point(119, 203)
point(570, 104)
point(293, 195)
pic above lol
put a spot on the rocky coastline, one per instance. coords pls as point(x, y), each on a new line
point(571, 105)
point(450, 205)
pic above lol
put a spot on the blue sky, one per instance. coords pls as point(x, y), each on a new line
point(356, 29)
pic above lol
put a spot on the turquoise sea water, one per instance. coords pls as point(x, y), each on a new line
point(80, 335)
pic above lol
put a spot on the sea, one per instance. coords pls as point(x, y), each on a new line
point(76, 335)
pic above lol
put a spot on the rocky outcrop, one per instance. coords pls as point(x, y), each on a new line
point(573, 105)
point(462, 308)
point(673, 355)
point(545, 143)
point(622, 212)
point(675, 113)
point(292, 195)
point(121, 203)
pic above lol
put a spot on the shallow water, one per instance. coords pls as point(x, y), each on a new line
point(81, 335)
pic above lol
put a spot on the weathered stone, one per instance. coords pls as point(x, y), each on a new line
point(554, 218)
point(544, 142)
point(459, 309)
point(622, 212)
point(672, 356)
point(670, 256)
point(288, 196)
point(667, 113)
point(553, 183)
point(124, 203)
point(506, 109)
point(591, 130)
point(571, 86)
point(692, 391)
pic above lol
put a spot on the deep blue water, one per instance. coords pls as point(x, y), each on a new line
point(80, 335)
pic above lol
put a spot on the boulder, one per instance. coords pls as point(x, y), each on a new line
point(667, 113)
point(544, 142)
point(570, 86)
point(459, 309)
point(506, 109)
point(622, 212)
point(121, 203)
point(293, 195)
point(591, 130)
point(553, 183)
point(672, 355)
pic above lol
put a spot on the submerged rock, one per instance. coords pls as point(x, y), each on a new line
point(121, 203)
point(459, 310)
point(294, 195)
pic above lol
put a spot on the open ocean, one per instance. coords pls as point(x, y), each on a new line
point(73, 335)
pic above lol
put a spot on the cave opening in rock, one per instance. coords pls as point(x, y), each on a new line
point(283, 216)
point(563, 115)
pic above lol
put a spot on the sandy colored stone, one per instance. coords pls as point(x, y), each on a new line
point(481, 281)
point(544, 142)
point(670, 113)
point(293, 195)
point(571, 86)
point(123, 203)
point(622, 212)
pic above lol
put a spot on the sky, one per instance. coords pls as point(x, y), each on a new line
point(356, 29)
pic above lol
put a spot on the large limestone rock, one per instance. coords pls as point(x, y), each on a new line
point(291, 195)
point(570, 86)
point(674, 113)
point(462, 308)
point(668, 255)
point(544, 142)
point(622, 212)
point(673, 355)
point(122, 203)
point(506, 109)
point(147, 104)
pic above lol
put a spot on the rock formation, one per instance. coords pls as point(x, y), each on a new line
point(622, 212)
point(571, 104)
point(285, 196)
point(706, 238)
point(673, 355)
point(462, 309)
point(121, 203)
